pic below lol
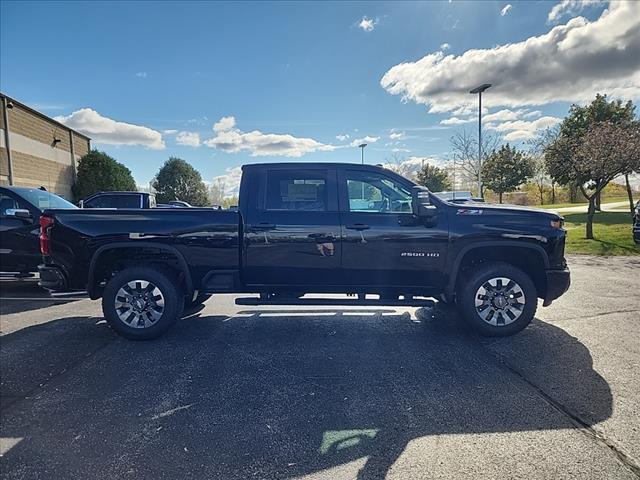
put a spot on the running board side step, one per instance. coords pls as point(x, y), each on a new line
point(335, 301)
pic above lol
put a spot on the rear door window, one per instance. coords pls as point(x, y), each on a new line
point(297, 190)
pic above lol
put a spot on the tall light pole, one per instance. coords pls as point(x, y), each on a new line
point(361, 147)
point(479, 91)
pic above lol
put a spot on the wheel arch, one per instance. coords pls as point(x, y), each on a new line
point(530, 258)
point(132, 252)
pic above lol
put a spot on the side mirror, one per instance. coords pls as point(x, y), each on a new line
point(421, 203)
point(18, 213)
point(81, 203)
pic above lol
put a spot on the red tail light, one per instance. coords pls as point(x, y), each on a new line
point(45, 242)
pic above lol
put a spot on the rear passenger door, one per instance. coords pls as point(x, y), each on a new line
point(293, 235)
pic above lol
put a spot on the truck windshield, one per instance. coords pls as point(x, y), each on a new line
point(42, 199)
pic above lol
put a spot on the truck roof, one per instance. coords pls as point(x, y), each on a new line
point(252, 166)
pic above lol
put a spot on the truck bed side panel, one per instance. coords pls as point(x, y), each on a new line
point(207, 239)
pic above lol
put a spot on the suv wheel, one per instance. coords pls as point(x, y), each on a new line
point(497, 299)
point(141, 303)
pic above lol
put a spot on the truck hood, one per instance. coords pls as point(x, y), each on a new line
point(497, 209)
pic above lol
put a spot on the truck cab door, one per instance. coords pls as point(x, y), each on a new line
point(19, 244)
point(383, 243)
point(292, 236)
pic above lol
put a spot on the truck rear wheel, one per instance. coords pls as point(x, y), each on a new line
point(497, 299)
point(141, 303)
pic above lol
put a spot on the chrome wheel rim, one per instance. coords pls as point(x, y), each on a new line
point(500, 301)
point(139, 304)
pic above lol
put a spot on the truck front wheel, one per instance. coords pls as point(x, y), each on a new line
point(497, 299)
point(141, 303)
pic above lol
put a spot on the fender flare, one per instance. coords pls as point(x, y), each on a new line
point(455, 266)
point(126, 245)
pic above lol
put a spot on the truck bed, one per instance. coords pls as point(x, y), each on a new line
point(204, 237)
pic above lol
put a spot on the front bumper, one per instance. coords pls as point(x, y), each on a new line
point(558, 282)
point(52, 278)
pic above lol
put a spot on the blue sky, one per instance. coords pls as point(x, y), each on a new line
point(301, 74)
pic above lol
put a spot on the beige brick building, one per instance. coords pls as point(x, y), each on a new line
point(36, 150)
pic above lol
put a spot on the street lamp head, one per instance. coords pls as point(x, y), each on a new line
point(362, 145)
point(481, 88)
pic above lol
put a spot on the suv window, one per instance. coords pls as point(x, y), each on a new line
point(7, 203)
point(114, 201)
point(299, 190)
point(42, 199)
point(375, 192)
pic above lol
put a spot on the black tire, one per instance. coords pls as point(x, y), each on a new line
point(200, 299)
point(485, 284)
point(169, 313)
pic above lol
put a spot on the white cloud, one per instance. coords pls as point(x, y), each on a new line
point(169, 132)
point(230, 180)
point(111, 132)
point(445, 46)
point(570, 63)
point(141, 74)
point(192, 139)
point(569, 8)
point(232, 140)
point(397, 135)
point(399, 150)
point(367, 140)
point(506, 115)
point(522, 129)
point(368, 24)
point(224, 124)
point(456, 121)
point(342, 137)
point(505, 9)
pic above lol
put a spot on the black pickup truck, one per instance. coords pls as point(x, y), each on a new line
point(308, 228)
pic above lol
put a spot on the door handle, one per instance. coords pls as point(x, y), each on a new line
point(264, 226)
point(357, 226)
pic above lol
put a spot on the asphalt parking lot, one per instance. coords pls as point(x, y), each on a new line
point(237, 392)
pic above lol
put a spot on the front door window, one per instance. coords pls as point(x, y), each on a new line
point(376, 193)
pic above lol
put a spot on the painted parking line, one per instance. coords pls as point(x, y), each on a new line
point(43, 299)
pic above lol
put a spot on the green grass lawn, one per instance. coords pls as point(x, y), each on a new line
point(612, 233)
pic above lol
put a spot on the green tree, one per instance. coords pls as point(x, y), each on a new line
point(177, 180)
point(540, 178)
point(573, 129)
point(606, 151)
point(434, 178)
point(505, 170)
point(98, 172)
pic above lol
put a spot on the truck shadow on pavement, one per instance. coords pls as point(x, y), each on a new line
point(283, 394)
point(17, 296)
